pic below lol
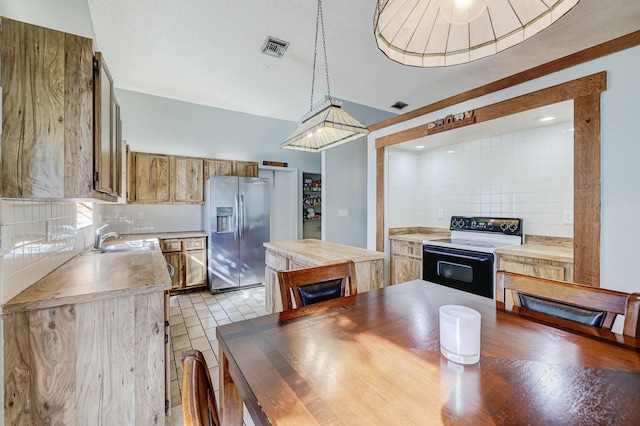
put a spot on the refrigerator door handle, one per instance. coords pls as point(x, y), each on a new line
point(236, 218)
point(241, 214)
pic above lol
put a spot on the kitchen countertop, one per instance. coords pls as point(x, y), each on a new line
point(98, 276)
point(540, 251)
point(417, 238)
point(323, 252)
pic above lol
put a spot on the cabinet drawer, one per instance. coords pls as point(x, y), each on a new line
point(170, 245)
point(275, 261)
point(193, 243)
point(297, 265)
point(406, 248)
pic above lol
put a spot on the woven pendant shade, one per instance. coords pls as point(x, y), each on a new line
point(330, 126)
point(435, 33)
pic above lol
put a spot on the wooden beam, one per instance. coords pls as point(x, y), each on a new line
point(586, 192)
point(380, 199)
point(584, 86)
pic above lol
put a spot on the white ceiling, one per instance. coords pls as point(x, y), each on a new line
point(208, 52)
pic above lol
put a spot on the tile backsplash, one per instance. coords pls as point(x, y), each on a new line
point(527, 174)
point(146, 218)
point(37, 237)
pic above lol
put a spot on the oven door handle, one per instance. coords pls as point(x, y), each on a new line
point(478, 257)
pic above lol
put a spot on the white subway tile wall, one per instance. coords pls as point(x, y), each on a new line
point(37, 237)
point(146, 218)
point(527, 174)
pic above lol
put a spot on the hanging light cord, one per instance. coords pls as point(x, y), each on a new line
point(320, 23)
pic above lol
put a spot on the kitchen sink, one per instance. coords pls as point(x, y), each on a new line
point(129, 246)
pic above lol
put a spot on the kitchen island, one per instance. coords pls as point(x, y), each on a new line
point(296, 254)
point(87, 344)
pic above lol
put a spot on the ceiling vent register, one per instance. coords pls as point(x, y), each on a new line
point(274, 47)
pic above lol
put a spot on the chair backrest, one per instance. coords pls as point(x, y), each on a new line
point(316, 284)
point(198, 398)
point(575, 302)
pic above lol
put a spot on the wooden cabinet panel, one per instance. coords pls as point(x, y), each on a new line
point(95, 362)
point(532, 267)
point(405, 269)
point(47, 107)
point(406, 261)
point(245, 168)
point(189, 259)
point(151, 177)
point(273, 302)
point(175, 260)
point(194, 268)
point(214, 167)
point(187, 180)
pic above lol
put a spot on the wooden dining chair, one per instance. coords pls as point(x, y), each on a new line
point(582, 304)
point(316, 284)
point(198, 398)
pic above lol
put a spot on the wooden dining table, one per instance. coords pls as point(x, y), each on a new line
point(374, 359)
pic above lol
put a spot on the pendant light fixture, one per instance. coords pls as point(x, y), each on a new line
point(435, 33)
point(328, 125)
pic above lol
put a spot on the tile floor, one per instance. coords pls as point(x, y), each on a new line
point(193, 320)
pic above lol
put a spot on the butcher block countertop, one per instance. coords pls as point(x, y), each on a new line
point(417, 238)
point(98, 276)
point(540, 251)
point(323, 252)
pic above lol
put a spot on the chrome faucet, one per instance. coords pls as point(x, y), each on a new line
point(100, 237)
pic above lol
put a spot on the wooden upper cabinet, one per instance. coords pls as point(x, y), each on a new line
point(245, 168)
point(214, 167)
point(47, 107)
point(187, 180)
point(149, 177)
point(107, 136)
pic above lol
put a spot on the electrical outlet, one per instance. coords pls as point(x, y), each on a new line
point(440, 213)
point(140, 215)
point(567, 216)
point(343, 212)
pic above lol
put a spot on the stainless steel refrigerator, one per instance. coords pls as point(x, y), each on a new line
point(236, 219)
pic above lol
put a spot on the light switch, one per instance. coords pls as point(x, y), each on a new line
point(440, 213)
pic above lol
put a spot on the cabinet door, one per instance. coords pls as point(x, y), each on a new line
point(151, 178)
point(405, 269)
point(175, 260)
point(245, 168)
point(47, 113)
point(215, 167)
point(195, 268)
point(105, 109)
point(186, 179)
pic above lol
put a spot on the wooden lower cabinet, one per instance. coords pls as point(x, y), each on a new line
point(542, 268)
point(406, 261)
point(94, 362)
point(188, 256)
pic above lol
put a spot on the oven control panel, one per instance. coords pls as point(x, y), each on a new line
point(502, 225)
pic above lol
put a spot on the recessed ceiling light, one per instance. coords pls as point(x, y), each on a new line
point(419, 146)
point(450, 151)
point(547, 118)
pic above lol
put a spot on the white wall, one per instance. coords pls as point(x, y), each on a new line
point(526, 174)
point(620, 151)
point(344, 187)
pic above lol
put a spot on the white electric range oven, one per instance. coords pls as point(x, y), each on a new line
point(467, 261)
